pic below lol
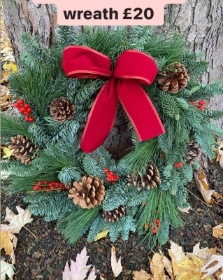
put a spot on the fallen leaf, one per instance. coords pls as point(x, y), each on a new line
point(141, 275)
point(7, 153)
point(203, 187)
point(101, 235)
point(214, 268)
point(5, 76)
point(115, 265)
point(168, 267)
point(177, 256)
point(10, 67)
point(16, 222)
point(6, 50)
point(78, 270)
point(9, 243)
point(220, 154)
point(191, 269)
point(157, 267)
point(217, 231)
point(201, 253)
point(185, 210)
point(6, 269)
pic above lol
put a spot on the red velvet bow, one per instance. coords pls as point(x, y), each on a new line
point(132, 69)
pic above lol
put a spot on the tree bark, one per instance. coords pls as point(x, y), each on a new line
point(23, 16)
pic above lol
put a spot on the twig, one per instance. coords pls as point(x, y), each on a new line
point(199, 198)
point(30, 232)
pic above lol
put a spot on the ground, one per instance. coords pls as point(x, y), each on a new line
point(45, 256)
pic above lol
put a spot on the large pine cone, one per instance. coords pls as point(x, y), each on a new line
point(61, 109)
point(23, 149)
point(150, 179)
point(88, 193)
point(193, 152)
point(115, 214)
point(175, 79)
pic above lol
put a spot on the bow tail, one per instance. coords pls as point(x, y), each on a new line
point(101, 118)
point(140, 109)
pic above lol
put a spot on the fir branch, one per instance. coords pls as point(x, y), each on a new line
point(49, 205)
point(73, 224)
point(138, 159)
point(91, 167)
point(13, 127)
point(69, 174)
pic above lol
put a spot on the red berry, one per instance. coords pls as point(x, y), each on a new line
point(36, 188)
point(29, 110)
point(39, 183)
point(201, 107)
point(27, 119)
point(45, 182)
point(106, 170)
point(157, 222)
point(67, 187)
point(154, 231)
point(22, 110)
point(16, 105)
point(31, 119)
point(201, 102)
point(26, 106)
point(21, 101)
point(51, 187)
point(178, 165)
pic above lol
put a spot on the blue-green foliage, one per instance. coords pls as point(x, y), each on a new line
point(50, 205)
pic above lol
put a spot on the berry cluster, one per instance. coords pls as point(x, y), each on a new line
point(199, 104)
point(50, 186)
point(155, 229)
point(24, 109)
point(110, 176)
point(178, 164)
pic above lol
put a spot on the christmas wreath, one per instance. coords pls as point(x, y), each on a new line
point(67, 102)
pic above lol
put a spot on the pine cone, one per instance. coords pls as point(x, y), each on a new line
point(88, 193)
point(175, 79)
point(24, 149)
point(115, 214)
point(61, 109)
point(149, 180)
point(193, 152)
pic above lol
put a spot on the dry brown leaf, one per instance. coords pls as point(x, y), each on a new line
point(157, 267)
point(220, 154)
point(177, 255)
point(203, 187)
point(211, 267)
point(16, 222)
point(8, 242)
point(190, 268)
point(168, 267)
point(115, 265)
point(184, 210)
point(217, 231)
point(6, 269)
point(200, 252)
point(141, 275)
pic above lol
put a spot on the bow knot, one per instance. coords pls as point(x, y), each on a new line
point(132, 69)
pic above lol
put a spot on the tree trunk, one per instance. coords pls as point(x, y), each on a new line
point(201, 23)
point(23, 16)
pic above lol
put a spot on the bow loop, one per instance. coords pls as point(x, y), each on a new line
point(132, 69)
point(84, 62)
point(136, 65)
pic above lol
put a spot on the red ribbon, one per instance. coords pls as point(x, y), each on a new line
point(132, 69)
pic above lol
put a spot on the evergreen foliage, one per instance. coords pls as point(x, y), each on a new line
point(41, 79)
